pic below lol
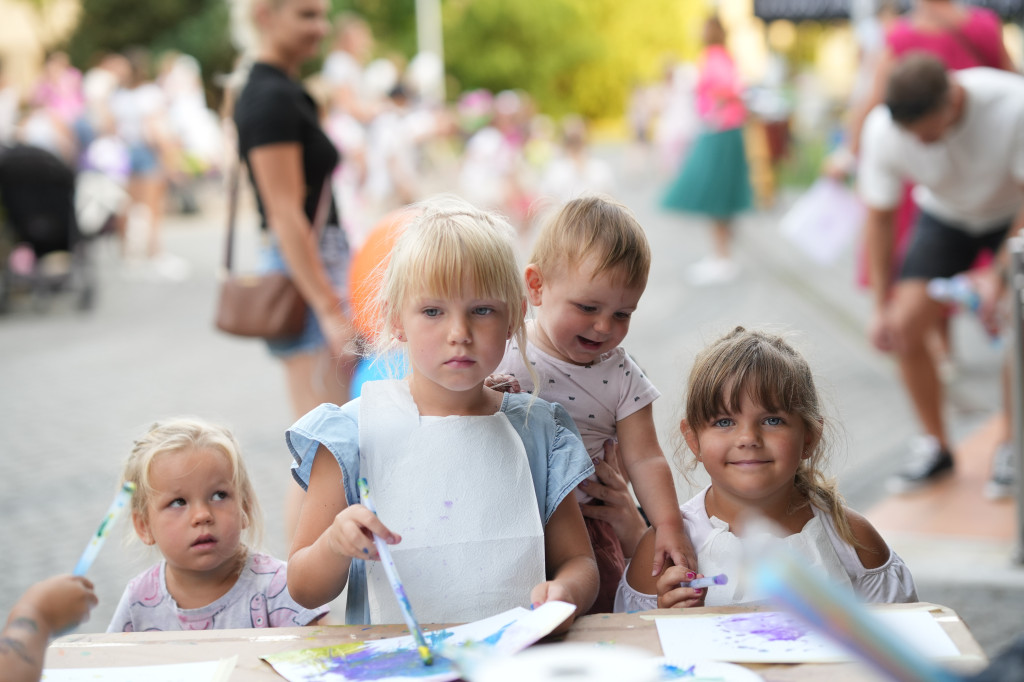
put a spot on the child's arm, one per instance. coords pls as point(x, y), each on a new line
point(328, 535)
point(617, 508)
point(46, 608)
point(641, 578)
point(873, 551)
point(652, 480)
point(569, 560)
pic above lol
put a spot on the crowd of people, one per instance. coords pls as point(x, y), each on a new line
point(144, 129)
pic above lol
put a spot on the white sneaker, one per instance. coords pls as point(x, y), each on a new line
point(171, 268)
point(928, 462)
point(710, 271)
point(1004, 474)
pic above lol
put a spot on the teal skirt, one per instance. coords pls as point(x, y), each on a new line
point(714, 180)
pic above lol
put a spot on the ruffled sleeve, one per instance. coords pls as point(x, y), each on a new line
point(890, 583)
point(568, 460)
point(558, 460)
point(628, 600)
point(337, 429)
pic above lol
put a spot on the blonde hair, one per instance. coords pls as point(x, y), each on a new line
point(450, 244)
point(187, 434)
point(594, 225)
point(774, 375)
point(245, 36)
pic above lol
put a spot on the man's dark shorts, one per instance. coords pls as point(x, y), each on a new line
point(940, 249)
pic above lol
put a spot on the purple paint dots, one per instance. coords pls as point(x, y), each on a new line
point(448, 504)
point(774, 627)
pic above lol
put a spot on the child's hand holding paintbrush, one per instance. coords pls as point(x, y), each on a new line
point(679, 586)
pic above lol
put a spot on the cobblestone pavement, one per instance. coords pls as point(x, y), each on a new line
point(76, 388)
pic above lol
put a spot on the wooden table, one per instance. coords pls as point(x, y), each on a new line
point(635, 629)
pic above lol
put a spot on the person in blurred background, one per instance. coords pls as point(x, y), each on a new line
point(962, 37)
point(290, 161)
point(139, 111)
point(960, 137)
point(714, 180)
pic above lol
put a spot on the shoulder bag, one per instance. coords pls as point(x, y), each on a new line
point(267, 305)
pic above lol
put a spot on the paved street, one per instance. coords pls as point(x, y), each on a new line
point(76, 388)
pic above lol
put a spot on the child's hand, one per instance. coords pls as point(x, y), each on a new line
point(503, 383)
point(61, 602)
point(671, 595)
point(671, 542)
point(552, 590)
point(351, 533)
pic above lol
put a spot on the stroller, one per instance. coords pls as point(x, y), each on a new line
point(42, 247)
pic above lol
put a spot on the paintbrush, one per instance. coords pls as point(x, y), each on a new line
point(93, 548)
point(396, 583)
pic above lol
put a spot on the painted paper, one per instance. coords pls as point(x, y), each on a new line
point(397, 658)
point(780, 637)
point(208, 671)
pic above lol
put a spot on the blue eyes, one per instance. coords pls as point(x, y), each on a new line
point(768, 421)
point(590, 310)
point(218, 496)
point(480, 311)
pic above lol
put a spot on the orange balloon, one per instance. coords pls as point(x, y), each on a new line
point(367, 266)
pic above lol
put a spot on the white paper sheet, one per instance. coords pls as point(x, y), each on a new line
point(779, 637)
point(397, 659)
point(207, 671)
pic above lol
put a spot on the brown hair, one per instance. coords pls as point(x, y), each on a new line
point(774, 375)
point(917, 87)
point(714, 32)
point(594, 225)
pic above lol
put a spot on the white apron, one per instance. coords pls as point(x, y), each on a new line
point(459, 492)
point(724, 552)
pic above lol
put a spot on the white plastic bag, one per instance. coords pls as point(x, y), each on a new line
point(824, 220)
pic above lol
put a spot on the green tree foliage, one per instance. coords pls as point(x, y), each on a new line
point(570, 55)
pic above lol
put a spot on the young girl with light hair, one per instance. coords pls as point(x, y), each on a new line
point(472, 486)
point(753, 419)
point(194, 501)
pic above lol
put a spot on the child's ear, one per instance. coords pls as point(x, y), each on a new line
point(690, 437)
point(142, 528)
point(534, 284)
point(398, 331)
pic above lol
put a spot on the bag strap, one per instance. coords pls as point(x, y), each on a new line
point(319, 218)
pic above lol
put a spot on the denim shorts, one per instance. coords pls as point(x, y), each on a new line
point(143, 159)
point(334, 254)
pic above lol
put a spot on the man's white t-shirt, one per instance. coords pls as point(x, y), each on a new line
point(973, 177)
